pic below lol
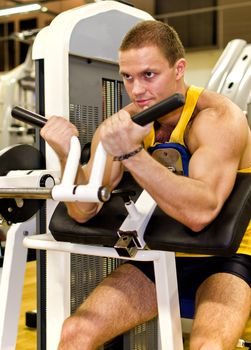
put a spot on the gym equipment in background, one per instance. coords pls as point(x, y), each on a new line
point(18, 87)
point(231, 75)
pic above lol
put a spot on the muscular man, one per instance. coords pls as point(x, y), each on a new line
point(216, 133)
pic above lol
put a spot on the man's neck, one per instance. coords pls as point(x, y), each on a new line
point(168, 123)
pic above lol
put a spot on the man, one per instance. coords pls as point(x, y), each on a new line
point(216, 133)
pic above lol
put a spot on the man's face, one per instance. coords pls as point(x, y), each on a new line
point(147, 75)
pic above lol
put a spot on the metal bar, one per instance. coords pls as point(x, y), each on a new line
point(47, 242)
point(26, 193)
point(159, 110)
point(41, 224)
point(146, 116)
point(202, 10)
point(29, 117)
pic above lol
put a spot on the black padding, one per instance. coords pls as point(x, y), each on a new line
point(85, 153)
point(100, 230)
point(160, 109)
point(28, 117)
point(221, 237)
point(20, 157)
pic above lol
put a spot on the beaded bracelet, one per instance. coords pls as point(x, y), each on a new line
point(128, 155)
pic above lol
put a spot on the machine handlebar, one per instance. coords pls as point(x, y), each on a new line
point(28, 117)
point(93, 191)
point(148, 115)
point(159, 109)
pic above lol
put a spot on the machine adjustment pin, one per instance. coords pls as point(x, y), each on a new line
point(104, 194)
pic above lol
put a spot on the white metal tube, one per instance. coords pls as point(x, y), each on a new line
point(98, 166)
point(82, 193)
point(47, 242)
point(72, 162)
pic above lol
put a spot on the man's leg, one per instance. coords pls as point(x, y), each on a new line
point(223, 306)
point(123, 300)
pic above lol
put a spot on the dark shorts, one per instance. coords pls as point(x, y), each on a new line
point(191, 272)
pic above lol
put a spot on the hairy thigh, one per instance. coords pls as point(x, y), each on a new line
point(223, 304)
point(126, 295)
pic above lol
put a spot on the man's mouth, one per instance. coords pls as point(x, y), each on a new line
point(143, 103)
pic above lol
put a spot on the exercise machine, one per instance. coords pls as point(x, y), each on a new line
point(17, 87)
point(139, 213)
point(136, 232)
point(231, 75)
point(70, 72)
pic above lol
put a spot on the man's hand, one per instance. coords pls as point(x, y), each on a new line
point(120, 135)
point(58, 132)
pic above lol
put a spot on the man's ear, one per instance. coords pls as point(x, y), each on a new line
point(180, 66)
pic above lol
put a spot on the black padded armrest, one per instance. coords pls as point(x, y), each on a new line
point(221, 237)
point(101, 229)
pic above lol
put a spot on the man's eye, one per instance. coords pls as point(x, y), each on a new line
point(149, 74)
point(127, 76)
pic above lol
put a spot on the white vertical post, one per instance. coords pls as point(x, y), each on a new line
point(12, 280)
point(168, 302)
point(57, 295)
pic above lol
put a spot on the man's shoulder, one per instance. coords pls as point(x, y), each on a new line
point(211, 103)
point(216, 116)
point(209, 98)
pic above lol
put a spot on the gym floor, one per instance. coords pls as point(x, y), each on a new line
point(27, 337)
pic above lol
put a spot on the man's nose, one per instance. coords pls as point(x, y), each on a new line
point(138, 88)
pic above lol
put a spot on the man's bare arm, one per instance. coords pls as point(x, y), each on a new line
point(58, 132)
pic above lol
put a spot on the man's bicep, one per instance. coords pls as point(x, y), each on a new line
point(216, 170)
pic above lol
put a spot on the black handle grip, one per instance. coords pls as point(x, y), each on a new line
point(147, 116)
point(159, 109)
point(28, 117)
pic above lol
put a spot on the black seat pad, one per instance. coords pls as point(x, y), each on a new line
point(221, 237)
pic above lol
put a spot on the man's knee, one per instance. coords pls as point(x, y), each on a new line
point(74, 334)
point(69, 328)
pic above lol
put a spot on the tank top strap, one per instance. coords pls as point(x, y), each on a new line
point(192, 97)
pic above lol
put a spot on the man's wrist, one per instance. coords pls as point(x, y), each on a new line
point(128, 155)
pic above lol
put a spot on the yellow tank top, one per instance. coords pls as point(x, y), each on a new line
point(177, 136)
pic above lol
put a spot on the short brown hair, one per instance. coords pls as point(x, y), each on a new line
point(155, 33)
